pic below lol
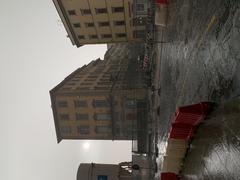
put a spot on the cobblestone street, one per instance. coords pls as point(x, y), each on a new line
point(199, 59)
point(215, 151)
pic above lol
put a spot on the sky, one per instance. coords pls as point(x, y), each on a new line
point(36, 55)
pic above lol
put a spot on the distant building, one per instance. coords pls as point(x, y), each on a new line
point(87, 171)
point(102, 100)
point(109, 21)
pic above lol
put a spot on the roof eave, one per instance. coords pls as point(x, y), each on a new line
point(59, 138)
point(66, 22)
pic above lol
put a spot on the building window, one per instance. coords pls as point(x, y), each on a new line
point(116, 115)
point(119, 23)
point(131, 116)
point(117, 129)
point(104, 79)
point(66, 88)
point(89, 80)
point(93, 36)
point(139, 21)
point(102, 177)
point(70, 84)
point(139, 33)
point(106, 36)
point(100, 10)
point(83, 88)
point(121, 35)
point(102, 129)
point(101, 24)
point(140, 7)
point(86, 84)
point(117, 9)
point(141, 104)
point(104, 83)
point(91, 76)
point(82, 116)
point(100, 103)
point(72, 12)
point(81, 37)
point(77, 25)
point(130, 103)
point(64, 117)
point(80, 103)
point(62, 104)
point(102, 116)
point(83, 129)
point(90, 24)
point(85, 11)
point(98, 70)
point(66, 130)
point(101, 88)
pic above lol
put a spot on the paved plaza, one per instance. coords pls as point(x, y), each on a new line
point(199, 60)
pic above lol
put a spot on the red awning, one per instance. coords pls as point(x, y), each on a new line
point(162, 1)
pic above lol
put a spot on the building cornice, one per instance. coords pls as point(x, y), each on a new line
point(66, 22)
point(53, 101)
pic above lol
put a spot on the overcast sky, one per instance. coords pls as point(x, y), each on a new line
point(35, 55)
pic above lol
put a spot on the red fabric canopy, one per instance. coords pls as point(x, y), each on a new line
point(169, 176)
point(162, 1)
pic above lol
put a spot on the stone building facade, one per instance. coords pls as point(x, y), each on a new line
point(94, 21)
point(93, 171)
point(101, 100)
